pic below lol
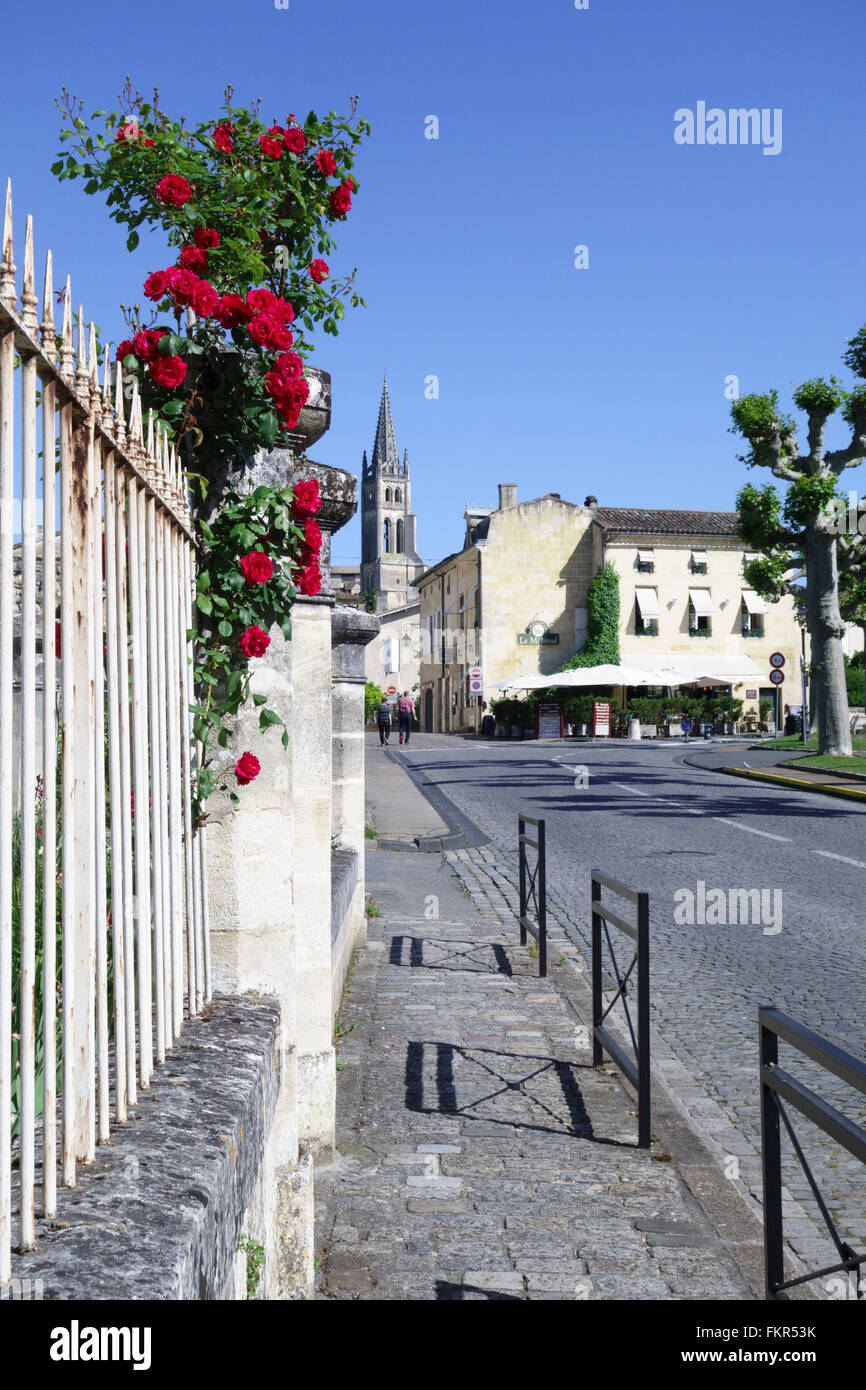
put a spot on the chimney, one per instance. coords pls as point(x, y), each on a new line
point(591, 501)
point(507, 495)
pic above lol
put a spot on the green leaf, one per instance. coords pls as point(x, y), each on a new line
point(132, 241)
point(225, 628)
point(267, 718)
point(204, 604)
point(260, 700)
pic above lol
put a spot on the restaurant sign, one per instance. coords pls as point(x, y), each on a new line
point(538, 634)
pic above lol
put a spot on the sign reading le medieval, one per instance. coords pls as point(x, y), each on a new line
point(538, 634)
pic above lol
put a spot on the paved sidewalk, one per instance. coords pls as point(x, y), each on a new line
point(395, 806)
point(480, 1156)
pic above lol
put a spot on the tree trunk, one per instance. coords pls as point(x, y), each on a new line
point(826, 630)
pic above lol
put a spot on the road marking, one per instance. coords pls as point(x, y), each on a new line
point(858, 863)
point(633, 790)
point(784, 839)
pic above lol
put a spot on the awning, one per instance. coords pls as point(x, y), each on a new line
point(754, 603)
point(678, 667)
point(646, 557)
point(701, 602)
point(648, 603)
point(699, 557)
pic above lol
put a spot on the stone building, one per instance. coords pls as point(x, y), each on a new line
point(512, 601)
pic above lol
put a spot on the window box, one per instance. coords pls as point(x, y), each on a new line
point(699, 632)
point(752, 632)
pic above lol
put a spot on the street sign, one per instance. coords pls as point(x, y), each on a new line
point(476, 681)
point(777, 677)
point(777, 660)
point(687, 726)
point(392, 690)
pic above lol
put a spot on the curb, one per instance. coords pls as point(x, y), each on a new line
point(463, 833)
point(823, 789)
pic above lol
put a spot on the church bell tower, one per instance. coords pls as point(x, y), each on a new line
point(390, 562)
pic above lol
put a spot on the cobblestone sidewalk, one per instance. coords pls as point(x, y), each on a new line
point(480, 1156)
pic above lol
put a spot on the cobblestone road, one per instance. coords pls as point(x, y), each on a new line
point(662, 826)
point(480, 1156)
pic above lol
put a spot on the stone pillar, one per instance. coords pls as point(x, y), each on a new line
point(351, 630)
point(254, 899)
point(311, 739)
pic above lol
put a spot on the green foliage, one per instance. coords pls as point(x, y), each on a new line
point(369, 598)
point(602, 622)
point(273, 217)
point(255, 1253)
point(854, 677)
point(756, 418)
point(823, 397)
point(808, 497)
point(262, 521)
point(373, 697)
point(855, 356)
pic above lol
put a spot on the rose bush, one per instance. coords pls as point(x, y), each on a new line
point(219, 342)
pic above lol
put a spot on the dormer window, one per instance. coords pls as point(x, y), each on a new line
point(646, 561)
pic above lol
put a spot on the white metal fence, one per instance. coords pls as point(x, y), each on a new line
point(103, 900)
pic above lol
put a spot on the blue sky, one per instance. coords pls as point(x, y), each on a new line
point(556, 129)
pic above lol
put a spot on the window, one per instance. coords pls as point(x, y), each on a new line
point(646, 561)
point(647, 613)
point(387, 494)
point(387, 538)
point(399, 537)
point(699, 562)
point(398, 495)
point(700, 612)
point(391, 655)
point(752, 614)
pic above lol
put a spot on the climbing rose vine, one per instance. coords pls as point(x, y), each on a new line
point(218, 337)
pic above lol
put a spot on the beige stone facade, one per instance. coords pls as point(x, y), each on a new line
point(513, 602)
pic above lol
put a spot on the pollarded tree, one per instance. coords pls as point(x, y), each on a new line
point(799, 533)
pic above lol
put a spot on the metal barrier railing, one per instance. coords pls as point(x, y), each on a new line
point(533, 889)
point(776, 1085)
point(637, 1071)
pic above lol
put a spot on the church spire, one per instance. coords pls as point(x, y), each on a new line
point(385, 455)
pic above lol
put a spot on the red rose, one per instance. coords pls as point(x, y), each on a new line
point(282, 309)
point(130, 131)
point(295, 140)
point(310, 580)
point(262, 328)
point(223, 138)
point(182, 285)
point(261, 301)
point(168, 371)
point(124, 349)
point(340, 199)
point(247, 769)
point(232, 311)
point(306, 500)
point(193, 258)
point(327, 163)
point(206, 237)
point(292, 400)
point(173, 190)
point(270, 147)
point(156, 285)
point(289, 366)
point(319, 271)
point(255, 642)
point(257, 567)
point(312, 534)
point(145, 344)
point(205, 299)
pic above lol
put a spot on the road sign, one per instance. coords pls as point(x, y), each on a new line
point(476, 681)
point(392, 690)
point(687, 726)
point(777, 677)
point(777, 660)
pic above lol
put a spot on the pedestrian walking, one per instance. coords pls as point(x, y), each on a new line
point(383, 718)
point(405, 715)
